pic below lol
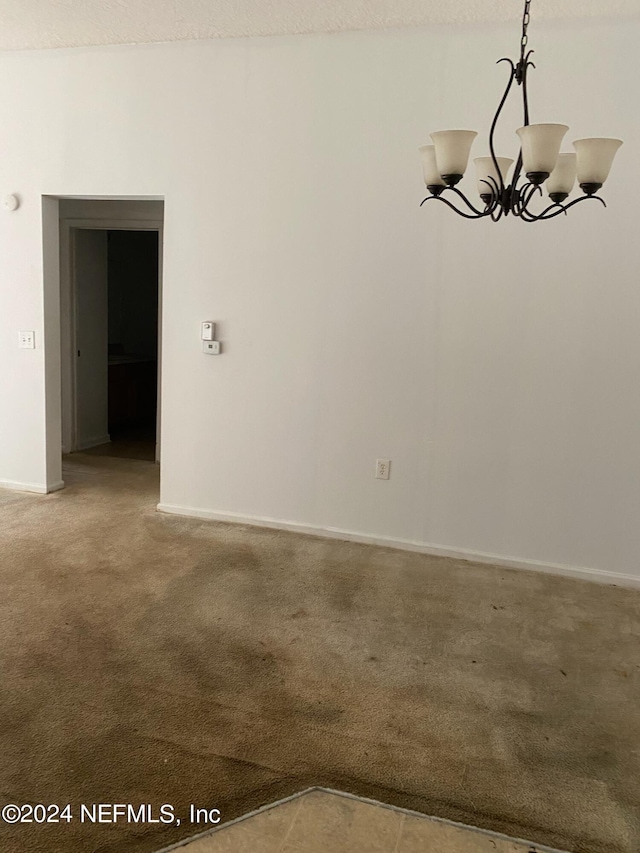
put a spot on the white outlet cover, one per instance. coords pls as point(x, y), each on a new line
point(383, 469)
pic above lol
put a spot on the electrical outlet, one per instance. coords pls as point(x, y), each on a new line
point(383, 469)
point(27, 340)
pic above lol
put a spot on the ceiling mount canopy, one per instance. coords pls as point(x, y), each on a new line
point(539, 161)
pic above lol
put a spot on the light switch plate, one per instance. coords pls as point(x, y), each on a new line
point(208, 330)
point(211, 347)
point(27, 340)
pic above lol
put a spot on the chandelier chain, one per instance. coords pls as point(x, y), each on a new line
point(525, 25)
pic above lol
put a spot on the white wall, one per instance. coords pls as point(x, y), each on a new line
point(495, 365)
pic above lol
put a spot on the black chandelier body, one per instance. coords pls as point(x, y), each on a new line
point(501, 198)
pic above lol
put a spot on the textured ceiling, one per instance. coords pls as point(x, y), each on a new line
point(28, 24)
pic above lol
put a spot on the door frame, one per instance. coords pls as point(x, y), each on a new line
point(68, 226)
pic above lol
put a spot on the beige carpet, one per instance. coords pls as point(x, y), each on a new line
point(150, 659)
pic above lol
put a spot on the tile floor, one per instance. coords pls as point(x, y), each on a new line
point(324, 822)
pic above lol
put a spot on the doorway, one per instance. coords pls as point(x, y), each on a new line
point(110, 273)
point(116, 325)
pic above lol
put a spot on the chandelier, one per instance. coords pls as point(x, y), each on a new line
point(540, 161)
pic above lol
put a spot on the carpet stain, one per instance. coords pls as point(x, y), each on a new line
point(147, 658)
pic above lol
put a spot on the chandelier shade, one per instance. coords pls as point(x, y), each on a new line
point(540, 147)
point(430, 167)
point(563, 177)
point(490, 176)
point(595, 158)
point(452, 151)
point(539, 161)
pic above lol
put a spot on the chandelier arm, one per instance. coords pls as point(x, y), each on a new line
point(512, 77)
point(526, 199)
point(521, 74)
point(453, 207)
point(516, 197)
point(546, 214)
point(516, 193)
point(525, 203)
point(563, 208)
point(525, 216)
point(496, 198)
point(496, 207)
point(522, 210)
point(468, 203)
point(585, 198)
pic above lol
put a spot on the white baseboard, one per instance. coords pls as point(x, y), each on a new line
point(37, 488)
point(597, 575)
point(92, 442)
